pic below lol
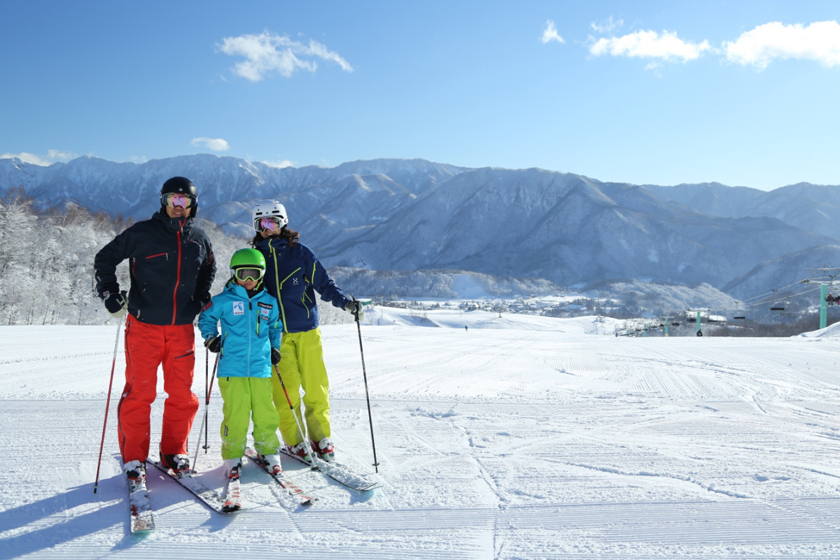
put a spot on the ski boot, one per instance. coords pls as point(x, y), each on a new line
point(232, 468)
point(299, 450)
point(177, 463)
point(136, 473)
point(324, 449)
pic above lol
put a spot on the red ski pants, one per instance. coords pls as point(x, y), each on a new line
point(147, 347)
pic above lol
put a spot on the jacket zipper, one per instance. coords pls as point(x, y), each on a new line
point(303, 300)
point(177, 282)
point(250, 312)
point(277, 283)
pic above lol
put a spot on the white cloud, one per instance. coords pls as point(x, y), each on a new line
point(649, 44)
point(819, 41)
point(607, 26)
point(215, 144)
point(267, 53)
point(52, 157)
point(550, 33)
point(58, 155)
point(281, 163)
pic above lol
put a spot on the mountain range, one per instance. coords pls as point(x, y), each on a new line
point(402, 215)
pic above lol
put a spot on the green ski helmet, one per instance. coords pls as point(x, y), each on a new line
point(248, 260)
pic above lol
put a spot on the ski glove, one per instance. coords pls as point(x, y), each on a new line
point(213, 344)
point(355, 307)
point(116, 304)
point(275, 356)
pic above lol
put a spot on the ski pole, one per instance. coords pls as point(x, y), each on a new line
point(297, 420)
point(204, 420)
point(367, 395)
point(107, 405)
point(207, 396)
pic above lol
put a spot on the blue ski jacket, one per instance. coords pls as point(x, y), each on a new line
point(293, 275)
point(251, 327)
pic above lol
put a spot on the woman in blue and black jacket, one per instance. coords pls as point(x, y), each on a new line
point(293, 275)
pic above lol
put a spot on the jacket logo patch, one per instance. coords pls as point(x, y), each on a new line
point(264, 312)
point(239, 308)
point(266, 305)
point(295, 281)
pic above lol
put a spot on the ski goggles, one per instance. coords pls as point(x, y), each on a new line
point(269, 223)
point(177, 199)
point(246, 273)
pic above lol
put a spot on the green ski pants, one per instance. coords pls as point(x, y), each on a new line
point(246, 398)
point(302, 366)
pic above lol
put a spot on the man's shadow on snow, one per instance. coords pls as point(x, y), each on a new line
point(46, 523)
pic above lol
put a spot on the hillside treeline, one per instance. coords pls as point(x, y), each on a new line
point(46, 263)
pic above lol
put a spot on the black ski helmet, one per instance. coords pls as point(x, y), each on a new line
point(180, 185)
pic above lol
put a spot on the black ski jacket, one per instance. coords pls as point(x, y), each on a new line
point(171, 268)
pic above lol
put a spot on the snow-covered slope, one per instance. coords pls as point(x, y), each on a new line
point(535, 440)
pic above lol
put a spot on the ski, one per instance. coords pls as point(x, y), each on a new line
point(282, 479)
point(233, 495)
point(340, 473)
point(142, 519)
point(209, 497)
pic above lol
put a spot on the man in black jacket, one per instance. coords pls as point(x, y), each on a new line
point(172, 268)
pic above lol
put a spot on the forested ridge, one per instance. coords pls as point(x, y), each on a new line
point(46, 261)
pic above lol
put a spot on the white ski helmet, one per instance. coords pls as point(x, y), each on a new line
point(266, 209)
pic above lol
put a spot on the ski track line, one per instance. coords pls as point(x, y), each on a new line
point(755, 365)
point(713, 375)
point(53, 358)
point(619, 472)
point(682, 524)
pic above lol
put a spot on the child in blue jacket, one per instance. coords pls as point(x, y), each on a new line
point(248, 347)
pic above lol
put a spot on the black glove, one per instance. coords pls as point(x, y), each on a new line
point(275, 356)
point(202, 300)
point(355, 307)
point(116, 304)
point(213, 344)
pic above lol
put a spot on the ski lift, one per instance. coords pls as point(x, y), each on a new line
point(739, 317)
point(777, 307)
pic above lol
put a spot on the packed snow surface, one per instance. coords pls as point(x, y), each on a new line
point(518, 437)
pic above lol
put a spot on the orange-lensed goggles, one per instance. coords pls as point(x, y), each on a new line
point(177, 199)
point(270, 223)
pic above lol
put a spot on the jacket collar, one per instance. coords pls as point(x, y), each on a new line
point(273, 243)
point(173, 224)
point(240, 291)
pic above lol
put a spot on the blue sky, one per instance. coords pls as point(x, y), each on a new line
point(740, 92)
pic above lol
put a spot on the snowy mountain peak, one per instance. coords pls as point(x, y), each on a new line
point(410, 214)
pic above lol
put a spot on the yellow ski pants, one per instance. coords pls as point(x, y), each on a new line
point(302, 366)
point(246, 398)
